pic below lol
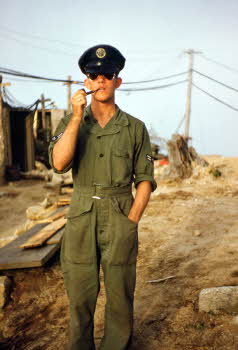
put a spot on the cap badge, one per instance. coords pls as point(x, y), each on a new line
point(101, 52)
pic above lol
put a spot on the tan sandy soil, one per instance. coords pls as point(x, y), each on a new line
point(189, 230)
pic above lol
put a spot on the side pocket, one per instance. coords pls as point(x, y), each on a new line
point(124, 235)
point(79, 245)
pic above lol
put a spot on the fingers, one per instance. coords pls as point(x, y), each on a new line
point(79, 99)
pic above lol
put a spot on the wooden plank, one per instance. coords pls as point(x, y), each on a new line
point(63, 200)
point(55, 216)
point(13, 257)
point(56, 238)
point(67, 190)
point(44, 234)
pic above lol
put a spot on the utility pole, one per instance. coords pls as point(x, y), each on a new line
point(45, 125)
point(190, 52)
point(2, 136)
point(69, 83)
point(43, 100)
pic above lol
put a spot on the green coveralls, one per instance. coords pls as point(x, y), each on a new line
point(106, 162)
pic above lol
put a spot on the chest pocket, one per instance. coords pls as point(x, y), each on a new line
point(121, 166)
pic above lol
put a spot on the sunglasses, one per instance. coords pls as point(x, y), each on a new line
point(108, 76)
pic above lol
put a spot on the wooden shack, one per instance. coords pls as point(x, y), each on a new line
point(17, 139)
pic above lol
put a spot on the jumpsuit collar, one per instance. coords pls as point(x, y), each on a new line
point(114, 125)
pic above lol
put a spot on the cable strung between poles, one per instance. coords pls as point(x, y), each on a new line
point(153, 87)
point(219, 64)
point(215, 98)
point(217, 81)
point(156, 79)
point(26, 75)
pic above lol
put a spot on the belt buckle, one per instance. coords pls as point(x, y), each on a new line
point(96, 197)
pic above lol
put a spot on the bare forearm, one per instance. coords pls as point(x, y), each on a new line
point(141, 200)
point(64, 149)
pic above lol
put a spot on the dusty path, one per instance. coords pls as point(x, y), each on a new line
point(189, 230)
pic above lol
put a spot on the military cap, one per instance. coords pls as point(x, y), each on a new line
point(101, 59)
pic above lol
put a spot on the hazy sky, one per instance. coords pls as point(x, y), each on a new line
point(47, 37)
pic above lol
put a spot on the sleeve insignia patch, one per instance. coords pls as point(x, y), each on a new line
point(149, 158)
point(57, 137)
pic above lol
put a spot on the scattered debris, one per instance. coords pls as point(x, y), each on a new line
point(161, 279)
point(5, 285)
point(196, 158)
point(10, 194)
point(219, 299)
point(36, 174)
point(59, 179)
point(215, 171)
point(196, 233)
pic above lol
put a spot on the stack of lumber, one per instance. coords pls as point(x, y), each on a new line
point(39, 243)
point(44, 234)
point(63, 200)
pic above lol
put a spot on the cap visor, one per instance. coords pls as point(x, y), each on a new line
point(101, 69)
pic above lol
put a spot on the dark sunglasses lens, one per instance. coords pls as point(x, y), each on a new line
point(108, 76)
point(92, 76)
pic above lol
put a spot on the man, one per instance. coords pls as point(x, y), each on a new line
point(107, 150)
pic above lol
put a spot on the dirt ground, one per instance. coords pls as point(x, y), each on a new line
point(189, 231)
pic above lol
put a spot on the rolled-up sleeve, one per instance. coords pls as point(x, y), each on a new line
point(143, 159)
point(57, 135)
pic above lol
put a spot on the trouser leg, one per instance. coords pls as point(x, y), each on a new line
point(80, 266)
point(120, 286)
point(82, 286)
point(118, 260)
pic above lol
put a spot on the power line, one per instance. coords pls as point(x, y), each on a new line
point(153, 87)
point(215, 98)
point(49, 50)
point(38, 37)
point(26, 75)
point(70, 44)
point(155, 79)
point(218, 82)
point(23, 80)
point(180, 124)
point(220, 64)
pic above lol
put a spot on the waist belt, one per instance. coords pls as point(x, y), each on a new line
point(98, 191)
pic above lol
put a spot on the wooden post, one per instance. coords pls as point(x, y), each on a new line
point(43, 100)
point(69, 83)
point(69, 94)
point(3, 141)
point(43, 111)
point(190, 52)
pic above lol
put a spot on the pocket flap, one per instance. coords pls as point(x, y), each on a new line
point(120, 153)
point(80, 206)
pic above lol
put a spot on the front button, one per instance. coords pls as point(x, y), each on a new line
point(98, 137)
point(101, 155)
